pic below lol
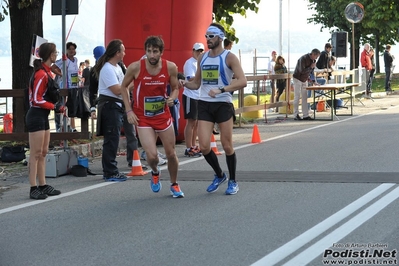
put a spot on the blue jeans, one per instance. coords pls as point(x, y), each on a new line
point(111, 123)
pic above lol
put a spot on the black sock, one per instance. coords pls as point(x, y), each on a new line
point(231, 161)
point(214, 163)
point(33, 188)
point(174, 184)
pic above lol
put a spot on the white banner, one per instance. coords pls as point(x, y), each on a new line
point(36, 42)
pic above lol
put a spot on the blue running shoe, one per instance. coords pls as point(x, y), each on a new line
point(176, 191)
point(232, 187)
point(119, 177)
point(216, 182)
point(155, 181)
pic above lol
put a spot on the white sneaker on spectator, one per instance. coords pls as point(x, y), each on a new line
point(162, 160)
point(163, 156)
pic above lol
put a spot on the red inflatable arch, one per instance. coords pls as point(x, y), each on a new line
point(181, 23)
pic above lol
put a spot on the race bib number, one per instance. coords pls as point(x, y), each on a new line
point(210, 74)
point(154, 105)
point(74, 80)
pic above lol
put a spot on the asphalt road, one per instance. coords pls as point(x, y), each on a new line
point(310, 189)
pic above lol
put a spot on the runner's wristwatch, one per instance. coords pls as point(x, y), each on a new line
point(222, 89)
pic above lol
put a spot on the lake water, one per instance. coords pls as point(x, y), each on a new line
point(249, 63)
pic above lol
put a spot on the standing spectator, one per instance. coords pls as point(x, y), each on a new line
point(72, 78)
point(150, 113)
point(322, 62)
point(98, 51)
point(366, 62)
point(80, 73)
point(128, 129)
point(331, 66)
point(37, 122)
point(388, 60)
point(86, 73)
point(280, 68)
point(190, 103)
point(372, 70)
point(214, 75)
point(270, 67)
point(110, 107)
point(227, 44)
point(303, 69)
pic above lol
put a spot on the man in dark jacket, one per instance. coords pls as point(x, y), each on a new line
point(322, 62)
point(304, 67)
point(388, 59)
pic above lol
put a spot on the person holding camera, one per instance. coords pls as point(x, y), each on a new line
point(37, 121)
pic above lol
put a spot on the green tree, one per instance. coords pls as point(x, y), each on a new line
point(378, 27)
point(224, 9)
point(26, 19)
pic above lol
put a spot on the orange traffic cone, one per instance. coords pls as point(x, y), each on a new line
point(255, 135)
point(137, 169)
point(214, 146)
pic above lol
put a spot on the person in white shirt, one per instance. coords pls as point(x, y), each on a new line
point(190, 103)
point(270, 68)
point(72, 78)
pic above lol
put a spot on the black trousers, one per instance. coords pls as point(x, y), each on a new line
point(131, 139)
point(111, 123)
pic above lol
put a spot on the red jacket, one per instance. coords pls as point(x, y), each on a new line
point(39, 89)
point(365, 60)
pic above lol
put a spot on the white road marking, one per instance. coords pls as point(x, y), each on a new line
point(318, 248)
point(63, 195)
point(301, 240)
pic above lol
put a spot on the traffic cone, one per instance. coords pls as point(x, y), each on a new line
point(214, 146)
point(137, 169)
point(255, 135)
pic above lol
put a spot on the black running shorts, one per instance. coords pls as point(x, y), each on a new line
point(218, 112)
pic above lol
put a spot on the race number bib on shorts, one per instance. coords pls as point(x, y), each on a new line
point(154, 105)
point(210, 74)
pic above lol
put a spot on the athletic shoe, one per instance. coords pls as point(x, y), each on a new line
point(232, 187)
point(197, 149)
point(163, 156)
point(161, 160)
point(216, 182)
point(119, 177)
point(49, 190)
point(308, 118)
point(297, 117)
point(192, 153)
point(176, 191)
point(155, 181)
point(37, 194)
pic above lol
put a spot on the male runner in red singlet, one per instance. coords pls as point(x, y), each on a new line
point(150, 109)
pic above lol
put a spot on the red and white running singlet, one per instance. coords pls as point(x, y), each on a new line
point(150, 93)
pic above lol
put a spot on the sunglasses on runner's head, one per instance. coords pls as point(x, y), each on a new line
point(210, 36)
